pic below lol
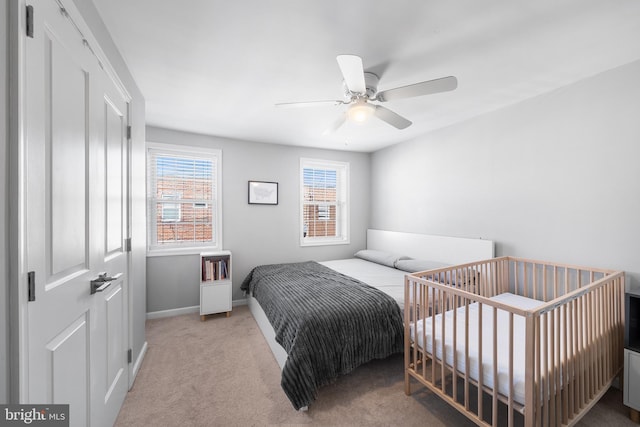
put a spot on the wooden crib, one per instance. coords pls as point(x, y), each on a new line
point(511, 341)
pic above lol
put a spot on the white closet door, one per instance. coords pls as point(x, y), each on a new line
point(74, 222)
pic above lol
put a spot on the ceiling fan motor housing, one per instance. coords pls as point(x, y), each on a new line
point(371, 82)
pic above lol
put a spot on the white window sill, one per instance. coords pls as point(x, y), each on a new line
point(181, 251)
point(324, 242)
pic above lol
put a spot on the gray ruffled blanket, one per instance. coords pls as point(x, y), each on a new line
point(328, 323)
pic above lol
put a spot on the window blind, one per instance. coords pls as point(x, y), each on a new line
point(182, 195)
point(320, 202)
point(324, 202)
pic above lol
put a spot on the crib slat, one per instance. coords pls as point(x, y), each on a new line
point(480, 370)
point(581, 327)
point(443, 349)
point(606, 309)
point(550, 368)
point(594, 356)
point(511, 382)
point(494, 393)
point(557, 365)
point(589, 346)
point(537, 360)
point(426, 304)
point(454, 373)
point(433, 336)
point(525, 281)
point(597, 341)
point(599, 344)
point(564, 366)
point(407, 313)
point(532, 371)
point(517, 277)
point(544, 281)
point(466, 356)
point(568, 378)
point(609, 325)
point(609, 304)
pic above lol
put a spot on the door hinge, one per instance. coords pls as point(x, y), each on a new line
point(129, 356)
point(128, 132)
point(31, 283)
point(29, 21)
point(127, 244)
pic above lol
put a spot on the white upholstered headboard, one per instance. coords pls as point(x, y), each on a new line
point(450, 250)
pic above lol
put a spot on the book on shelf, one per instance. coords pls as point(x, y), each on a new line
point(223, 270)
point(214, 269)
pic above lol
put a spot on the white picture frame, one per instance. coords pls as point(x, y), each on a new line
point(263, 193)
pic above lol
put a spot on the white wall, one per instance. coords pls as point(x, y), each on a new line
point(256, 234)
point(554, 178)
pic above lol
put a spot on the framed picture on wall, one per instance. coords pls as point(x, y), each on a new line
point(263, 193)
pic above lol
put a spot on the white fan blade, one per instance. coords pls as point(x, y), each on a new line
point(353, 72)
point(418, 89)
point(392, 118)
point(307, 104)
point(336, 125)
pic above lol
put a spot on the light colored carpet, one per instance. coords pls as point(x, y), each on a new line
point(221, 373)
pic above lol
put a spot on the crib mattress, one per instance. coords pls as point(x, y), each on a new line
point(488, 362)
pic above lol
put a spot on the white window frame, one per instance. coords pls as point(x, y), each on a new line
point(153, 248)
point(342, 202)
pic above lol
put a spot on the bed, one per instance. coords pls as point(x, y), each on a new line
point(374, 311)
point(515, 341)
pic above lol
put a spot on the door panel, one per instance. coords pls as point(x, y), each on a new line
point(114, 152)
point(65, 104)
point(63, 348)
point(115, 346)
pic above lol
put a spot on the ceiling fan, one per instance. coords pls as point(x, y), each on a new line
point(361, 91)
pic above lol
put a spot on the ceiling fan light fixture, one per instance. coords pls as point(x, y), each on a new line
point(360, 111)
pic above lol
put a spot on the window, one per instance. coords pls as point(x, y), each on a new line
point(324, 218)
point(184, 194)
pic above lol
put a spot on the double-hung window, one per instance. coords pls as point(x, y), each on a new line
point(324, 217)
point(184, 198)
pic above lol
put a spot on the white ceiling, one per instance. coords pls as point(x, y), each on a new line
point(217, 67)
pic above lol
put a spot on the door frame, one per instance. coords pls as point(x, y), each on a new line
point(17, 301)
point(17, 283)
point(5, 205)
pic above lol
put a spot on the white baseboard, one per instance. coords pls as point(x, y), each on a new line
point(186, 310)
point(138, 364)
point(173, 312)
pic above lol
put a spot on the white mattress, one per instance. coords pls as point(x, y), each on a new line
point(487, 342)
point(388, 280)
